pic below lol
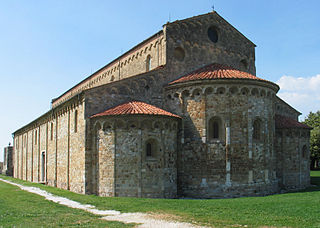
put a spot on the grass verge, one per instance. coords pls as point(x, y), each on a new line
point(300, 209)
point(23, 209)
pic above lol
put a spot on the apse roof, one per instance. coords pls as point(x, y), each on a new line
point(135, 108)
point(286, 122)
point(216, 71)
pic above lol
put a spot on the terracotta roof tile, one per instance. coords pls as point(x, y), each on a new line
point(135, 108)
point(286, 122)
point(216, 71)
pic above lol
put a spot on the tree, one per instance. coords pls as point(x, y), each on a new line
point(313, 120)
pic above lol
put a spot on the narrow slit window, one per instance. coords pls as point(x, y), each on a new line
point(35, 137)
point(148, 63)
point(149, 150)
point(215, 128)
point(76, 121)
point(51, 132)
point(151, 147)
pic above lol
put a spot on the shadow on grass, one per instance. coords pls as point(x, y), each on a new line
point(315, 185)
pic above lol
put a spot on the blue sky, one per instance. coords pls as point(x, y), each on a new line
point(48, 46)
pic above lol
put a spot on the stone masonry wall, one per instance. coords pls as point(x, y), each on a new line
point(189, 47)
point(211, 167)
point(123, 167)
point(51, 150)
point(292, 149)
point(284, 109)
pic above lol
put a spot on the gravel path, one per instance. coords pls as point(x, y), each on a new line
point(144, 220)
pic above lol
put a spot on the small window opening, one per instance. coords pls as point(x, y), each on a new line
point(149, 150)
point(51, 132)
point(215, 132)
point(148, 63)
point(213, 34)
point(35, 137)
point(215, 128)
point(75, 121)
point(43, 167)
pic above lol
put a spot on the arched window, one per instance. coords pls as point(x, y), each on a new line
point(151, 147)
point(215, 128)
point(256, 129)
point(148, 63)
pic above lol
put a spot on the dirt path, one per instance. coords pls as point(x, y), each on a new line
point(144, 220)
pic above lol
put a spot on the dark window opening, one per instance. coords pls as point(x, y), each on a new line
point(51, 135)
point(43, 163)
point(149, 150)
point(215, 128)
point(75, 121)
point(213, 34)
point(215, 132)
point(148, 63)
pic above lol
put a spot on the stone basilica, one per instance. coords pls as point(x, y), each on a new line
point(182, 114)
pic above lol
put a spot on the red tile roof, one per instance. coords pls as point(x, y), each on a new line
point(135, 108)
point(286, 122)
point(216, 71)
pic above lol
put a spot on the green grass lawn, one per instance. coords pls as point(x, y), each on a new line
point(23, 209)
point(300, 209)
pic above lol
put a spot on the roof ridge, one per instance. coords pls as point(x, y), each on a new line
point(134, 108)
point(215, 71)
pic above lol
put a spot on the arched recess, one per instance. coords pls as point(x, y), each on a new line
point(148, 63)
point(114, 90)
point(157, 125)
point(208, 91)
point(196, 92)
point(244, 91)
point(257, 129)
point(151, 148)
point(97, 126)
point(133, 124)
point(215, 128)
point(107, 126)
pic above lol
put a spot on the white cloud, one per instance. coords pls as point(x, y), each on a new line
point(303, 93)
